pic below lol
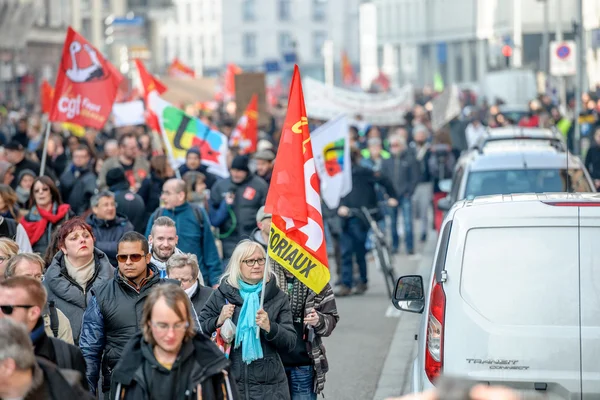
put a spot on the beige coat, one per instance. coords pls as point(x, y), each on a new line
point(64, 327)
point(141, 170)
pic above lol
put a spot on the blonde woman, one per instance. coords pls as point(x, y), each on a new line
point(255, 362)
point(8, 249)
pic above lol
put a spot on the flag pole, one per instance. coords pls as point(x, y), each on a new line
point(264, 283)
point(169, 152)
point(45, 151)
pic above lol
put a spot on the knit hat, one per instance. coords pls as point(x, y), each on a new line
point(240, 163)
point(114, 176)
point(25, 172)
point(265, 155)
point(194, 150)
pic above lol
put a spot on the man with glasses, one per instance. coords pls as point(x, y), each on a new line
point(193, 229)
point(114, 311)
point(56, 322)
point(22, 298)
point(168, 358)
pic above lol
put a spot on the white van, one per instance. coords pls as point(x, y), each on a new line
point(514, 296)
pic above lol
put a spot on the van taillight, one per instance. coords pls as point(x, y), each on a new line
point(434, 354)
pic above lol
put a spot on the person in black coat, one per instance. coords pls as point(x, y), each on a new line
point(184, 268)
point(188, 366)
point(592, 159)
point(160, 172)
point(26, 290)
point(78, 182)
point(107, 225)
point(15, 154)
point(193, 162)
point(259, 375)
point(128, 203)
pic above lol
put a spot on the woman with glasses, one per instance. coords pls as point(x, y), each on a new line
point(46, 215)
point(255, 362)
point(184, 268)
point(8, 249)
point(75, 270)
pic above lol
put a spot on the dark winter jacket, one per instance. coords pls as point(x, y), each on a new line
point(250, 195)
point(264, 378)
point(211, 179)
point(67, 295)
point(62, 354)
point(403, 171)
point(200, 297)
point(77, 186)
point(108, 233)
point(194, 239)
point(34, 215)
point(52, 383)
point(131, 205)
point(112, 318)
point(139, 376)
point(150, 192)
point(592, 162)
point(364, 193)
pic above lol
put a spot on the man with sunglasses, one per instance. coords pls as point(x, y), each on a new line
point(114, 311)
point(23, 298)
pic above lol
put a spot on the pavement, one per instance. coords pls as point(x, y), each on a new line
point(372, 347)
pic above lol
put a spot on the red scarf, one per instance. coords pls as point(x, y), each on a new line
point(35, 229)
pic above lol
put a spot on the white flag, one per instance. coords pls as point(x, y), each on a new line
point(331, 150)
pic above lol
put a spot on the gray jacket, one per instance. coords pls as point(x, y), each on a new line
point(67, 295)
point(403, 171)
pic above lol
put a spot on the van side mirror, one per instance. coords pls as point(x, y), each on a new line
point(445, 185)
point(444, 204)
point(409, 294)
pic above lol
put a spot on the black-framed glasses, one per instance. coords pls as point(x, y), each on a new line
point(134, 257)
point(8, 310)
point(251, 262)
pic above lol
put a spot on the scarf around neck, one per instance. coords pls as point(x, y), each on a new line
point(83, 274)
point(35, 229)
point(246, 327)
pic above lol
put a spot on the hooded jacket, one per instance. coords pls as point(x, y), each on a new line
point(112, 318)
point(67, 295)
point(250, 195)
point(264, 378)
point(108, 234)
point(77, 186)
point(139, 376)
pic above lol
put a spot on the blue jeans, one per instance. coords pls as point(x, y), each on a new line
point(405, 204)
point(301, 382)
point(353, 241)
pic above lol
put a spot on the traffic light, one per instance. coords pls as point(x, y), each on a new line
point(507, 53)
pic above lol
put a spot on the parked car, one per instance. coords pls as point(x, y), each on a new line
point(513, 296)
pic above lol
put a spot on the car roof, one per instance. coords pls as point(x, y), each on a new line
point(518, 131)
point(560, 198)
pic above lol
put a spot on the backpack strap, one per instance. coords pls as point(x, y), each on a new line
point(53, 318)
point(199, 217)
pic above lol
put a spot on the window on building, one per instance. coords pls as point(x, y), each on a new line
point(190, 51)
point(285, 42)
point(249, 41)
point(215, 47)
point(188, 11)
point(249, 10)
point(285, 10)
point(320, 10)
point(319, 39)
point(165, 49)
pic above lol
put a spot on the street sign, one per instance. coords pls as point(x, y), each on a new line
point(563, 58)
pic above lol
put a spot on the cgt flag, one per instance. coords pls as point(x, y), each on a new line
point(297, 239)
point(245, 134)
point(149, 84)
point(182, 132)
point(47, 94)
point(177, 69)
point(86, 85)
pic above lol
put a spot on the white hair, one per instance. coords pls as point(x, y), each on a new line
point(242, 251)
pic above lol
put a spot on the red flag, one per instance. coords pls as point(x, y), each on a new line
point(47, 94)
point(245, 134)
point(230, 73)
point(348, 75)
point(297, 239)
point(149, 84)
point(86, 85)
point(177, 69)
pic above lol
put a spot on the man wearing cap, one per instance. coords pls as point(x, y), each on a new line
point(128, 203)
point(15, 154)
point(234, 203)
point(264, 164)
point(263, 223)
point(193, 162)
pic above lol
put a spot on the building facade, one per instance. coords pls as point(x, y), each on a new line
point(209, 34)
point(461, 40)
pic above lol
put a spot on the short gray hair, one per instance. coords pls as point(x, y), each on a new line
point(95, 200)
point(13, 263)
point(15, 344)
point(184, 260)
point(163, 221)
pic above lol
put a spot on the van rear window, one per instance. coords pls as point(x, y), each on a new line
point(522, 275)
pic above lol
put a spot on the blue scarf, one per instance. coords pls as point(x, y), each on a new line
point(246, 326)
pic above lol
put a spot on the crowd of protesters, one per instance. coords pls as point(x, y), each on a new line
point(146, 279)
